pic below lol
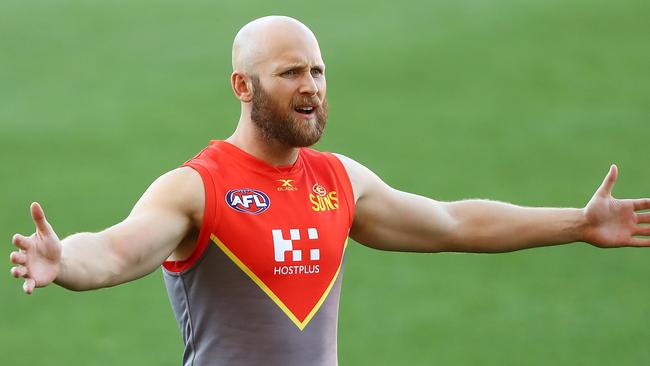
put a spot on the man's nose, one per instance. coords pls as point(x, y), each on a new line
point(308, 85)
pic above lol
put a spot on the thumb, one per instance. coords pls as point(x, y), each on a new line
point(42, 226)
point(606, 187)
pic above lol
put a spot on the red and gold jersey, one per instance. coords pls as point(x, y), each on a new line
point(269, 254)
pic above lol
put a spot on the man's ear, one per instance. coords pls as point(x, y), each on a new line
point(241, 85)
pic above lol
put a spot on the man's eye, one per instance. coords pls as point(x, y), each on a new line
point(316, 72)
point(290, 73)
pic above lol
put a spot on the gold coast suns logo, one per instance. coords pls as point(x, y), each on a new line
point(322, 200)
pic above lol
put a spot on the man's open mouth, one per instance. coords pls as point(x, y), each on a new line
point(305, 110)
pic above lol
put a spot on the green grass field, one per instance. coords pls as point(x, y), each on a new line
point(526, 102)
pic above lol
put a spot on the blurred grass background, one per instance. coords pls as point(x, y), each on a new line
point(527, 102)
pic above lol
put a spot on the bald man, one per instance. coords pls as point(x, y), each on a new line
point(252, 231)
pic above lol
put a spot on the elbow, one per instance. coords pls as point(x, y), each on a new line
point(448, 238)
point(75, 286)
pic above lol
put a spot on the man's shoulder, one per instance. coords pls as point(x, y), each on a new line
point(180, 176)
point(181, 188)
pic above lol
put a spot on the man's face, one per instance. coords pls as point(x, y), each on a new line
point(289, 88)
point(296, 120)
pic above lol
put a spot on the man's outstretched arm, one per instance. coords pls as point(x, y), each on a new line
point(389, 219)
point(160, 220)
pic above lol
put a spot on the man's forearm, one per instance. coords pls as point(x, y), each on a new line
point(489, 226)
point(87, 262)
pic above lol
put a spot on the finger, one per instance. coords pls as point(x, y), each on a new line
point(28, 286)
point(639, 242)
point(605, 189)
point(18, 258)
point(38, 215)
point(642, 230)
point(643, 218)
point(641, 204)
point(21, 242)
point(19, 271)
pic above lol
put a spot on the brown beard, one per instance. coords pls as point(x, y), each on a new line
point(279, 124)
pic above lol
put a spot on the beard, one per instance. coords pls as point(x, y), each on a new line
point(278, 123)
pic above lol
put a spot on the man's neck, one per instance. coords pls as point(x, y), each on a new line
point(249, 139)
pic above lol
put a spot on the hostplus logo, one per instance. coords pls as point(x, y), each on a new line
point(304, 259)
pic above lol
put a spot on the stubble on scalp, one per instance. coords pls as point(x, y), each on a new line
point(276, 123)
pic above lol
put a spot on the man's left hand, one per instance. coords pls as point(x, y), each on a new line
point(615, 222)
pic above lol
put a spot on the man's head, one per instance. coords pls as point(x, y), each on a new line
point(279, 76)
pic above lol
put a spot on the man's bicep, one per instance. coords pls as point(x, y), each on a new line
point(142, 242)
point(389, 219)
point(159, 221)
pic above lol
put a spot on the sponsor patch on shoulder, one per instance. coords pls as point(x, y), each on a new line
point(251, 201)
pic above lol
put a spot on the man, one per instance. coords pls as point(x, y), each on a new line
point(252, 231)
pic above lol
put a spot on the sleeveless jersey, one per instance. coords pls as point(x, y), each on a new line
point(262, 285)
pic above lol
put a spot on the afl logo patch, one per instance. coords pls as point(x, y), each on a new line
point(248, 200)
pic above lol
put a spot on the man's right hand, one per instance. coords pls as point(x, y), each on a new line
point(39, 258)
